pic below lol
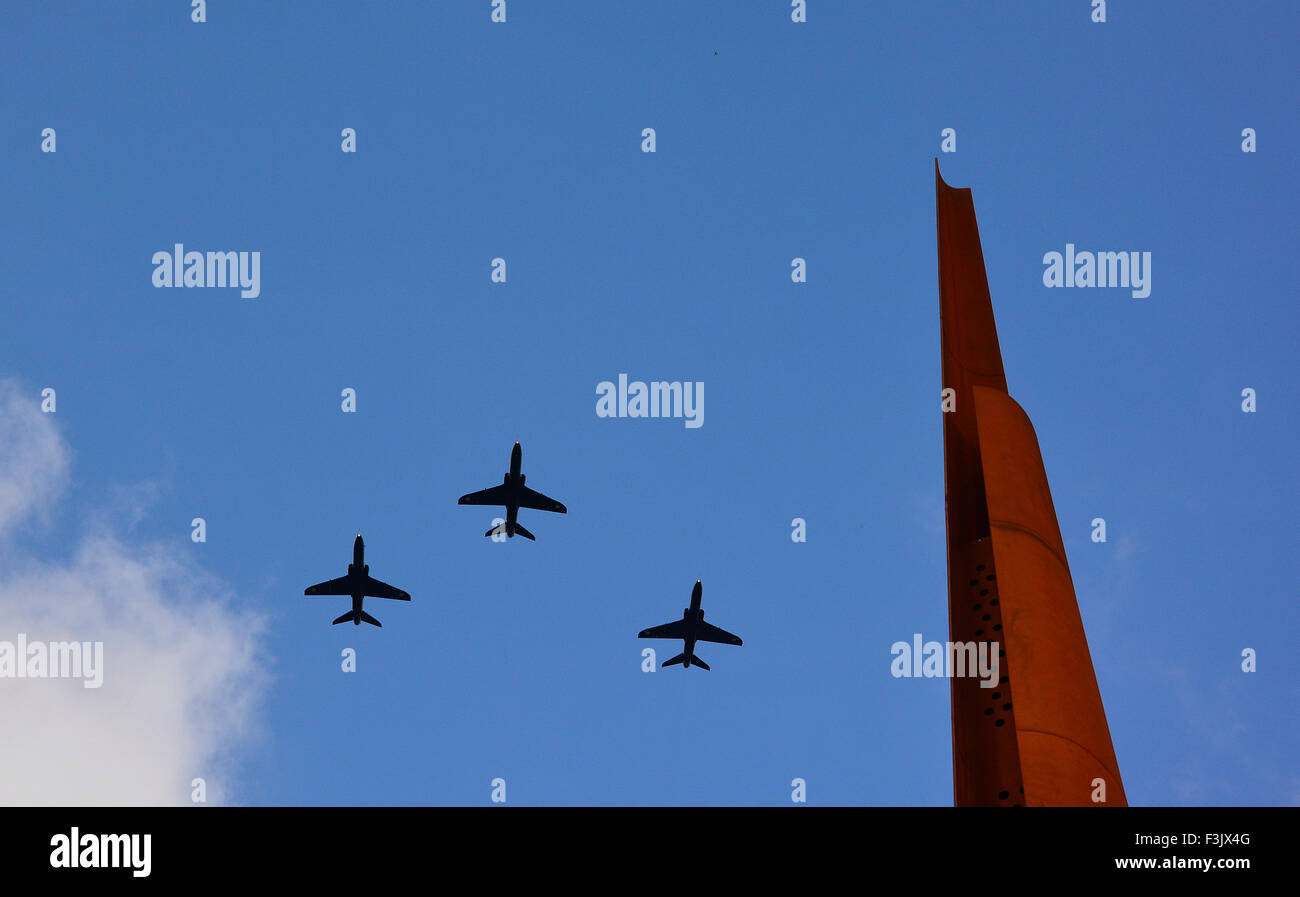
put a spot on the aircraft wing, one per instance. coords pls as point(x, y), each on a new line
point(376, 589)
point(711, 633)
point(675, 629)
point(495, 495)
point(340, 586)
point(529, 498)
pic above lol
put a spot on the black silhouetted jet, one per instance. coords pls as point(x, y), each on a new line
point(692, 628)
point(513, 494)
point(358, 583)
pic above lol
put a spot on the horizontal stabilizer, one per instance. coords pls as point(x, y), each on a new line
point(357, 618)
point(681, 658)
point(503, 529)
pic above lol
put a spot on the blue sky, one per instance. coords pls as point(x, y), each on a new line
point(775, 140)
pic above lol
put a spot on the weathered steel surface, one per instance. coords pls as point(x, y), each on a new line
point(1039, 737)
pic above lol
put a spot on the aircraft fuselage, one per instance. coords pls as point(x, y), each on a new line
point(513, 479)
point(691, 615)
point(358, 570)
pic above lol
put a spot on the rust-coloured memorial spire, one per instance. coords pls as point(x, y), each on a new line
point(1039, 736)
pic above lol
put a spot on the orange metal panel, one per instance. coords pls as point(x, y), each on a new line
point(1064, 742)
point(1008, 579)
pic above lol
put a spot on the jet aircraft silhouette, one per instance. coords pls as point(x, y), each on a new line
point(513, 494)
point(692, 628)
point(358, 583)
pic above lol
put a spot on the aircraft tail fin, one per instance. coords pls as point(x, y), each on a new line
point(498, 530)
point(520, 531)
point(681, 659)
point(357, 618)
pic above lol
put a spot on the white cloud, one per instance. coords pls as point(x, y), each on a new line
point(183, 675)
point(33, 459)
